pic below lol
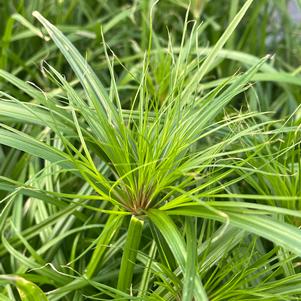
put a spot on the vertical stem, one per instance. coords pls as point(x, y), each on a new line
point(129, 254)
point(144, 20)
point(234, 6)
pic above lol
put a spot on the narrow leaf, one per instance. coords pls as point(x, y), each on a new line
point(174, 238)
point(280, 233)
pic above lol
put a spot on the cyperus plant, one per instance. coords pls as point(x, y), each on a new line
point(144, 171)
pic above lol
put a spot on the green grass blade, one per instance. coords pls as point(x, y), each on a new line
point(95, 90)
point(111, 227)
point(22, 85)
point(280, 233)
point(206, 65)
point(147, 273)
point(174, 238)
point(191, 262)
point(34, 147)
point(28, 25)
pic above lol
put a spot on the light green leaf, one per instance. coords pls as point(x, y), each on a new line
point(280, 233)
point(28, 291)
point(32, 146)
point(175, 240)
point(96, 92)
point(212, 55)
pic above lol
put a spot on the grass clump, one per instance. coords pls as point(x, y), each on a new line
point(142, 181)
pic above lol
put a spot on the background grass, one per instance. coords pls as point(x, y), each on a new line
point(167, 170)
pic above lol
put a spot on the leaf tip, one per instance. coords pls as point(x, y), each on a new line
point(36, 14)
point(269, 56)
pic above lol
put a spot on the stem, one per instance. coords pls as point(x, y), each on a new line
point(129, 254)
point(144, 21)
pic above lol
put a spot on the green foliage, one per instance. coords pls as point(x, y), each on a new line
point(152, 157)
point(28, 291)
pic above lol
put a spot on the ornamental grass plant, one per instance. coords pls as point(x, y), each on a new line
point(149, 151)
